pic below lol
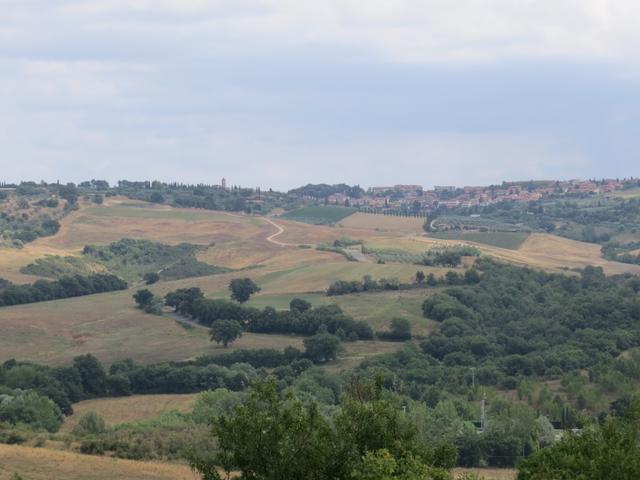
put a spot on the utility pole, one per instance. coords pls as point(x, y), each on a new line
point(482, 412)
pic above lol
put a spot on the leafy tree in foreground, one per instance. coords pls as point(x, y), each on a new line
point(272, 438)
point(225, 331)
point(242, 289)
point(608, 451)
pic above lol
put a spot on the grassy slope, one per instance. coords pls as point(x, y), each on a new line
point(109, 326)
point(509, 240)
point(319, 215)
point(384, 223)
point(548, 252)
point(45, 464)
point(129, 409)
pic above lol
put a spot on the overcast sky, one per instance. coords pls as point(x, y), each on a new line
point(278, 93)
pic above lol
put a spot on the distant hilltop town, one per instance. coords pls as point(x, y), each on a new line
point(417, 199)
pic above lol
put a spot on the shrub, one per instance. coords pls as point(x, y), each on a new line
point(90, 424)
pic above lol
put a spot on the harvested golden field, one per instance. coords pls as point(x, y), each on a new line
point(130, 409)
point(540, 250)
point(553, 252)
point(45, 464)
point(12, 259)
point(244, 253)
point(383, 223)
point(104, 224)
point(304, 233)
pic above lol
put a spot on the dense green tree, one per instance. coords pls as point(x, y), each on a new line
point(242, 289)
point(211, 404)
point(94, 378)
point(143, 297)
point(184, 300)
point(299, 305)
point(267, 438)
point(401, 328)
point(225, 331)
point(321, 347)
point(151, 278)
point(30, 408)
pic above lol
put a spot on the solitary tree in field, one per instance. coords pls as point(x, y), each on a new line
point(242, 289)
point(225, 331)
point(420, 276)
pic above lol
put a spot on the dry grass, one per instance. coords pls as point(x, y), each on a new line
point(317, 277)
point(248, 252)
point(626, 194)
point(11, 260)
point(45, 464)
point(104, 224)
point(383, 223)
point(130, 409)
point(489, 473)
point(553, 252)
point(548, 252)
point(108, 326)
point(303, 233)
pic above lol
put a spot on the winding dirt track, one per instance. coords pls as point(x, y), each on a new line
point(271, 238)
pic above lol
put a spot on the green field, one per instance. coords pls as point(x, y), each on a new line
point(377, 309)
point(510, 240)
point(319, 215)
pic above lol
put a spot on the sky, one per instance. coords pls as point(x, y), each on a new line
point(280, 93)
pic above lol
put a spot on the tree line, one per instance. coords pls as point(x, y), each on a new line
point(300, 319)
point(65, 287)
point(369, 284)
